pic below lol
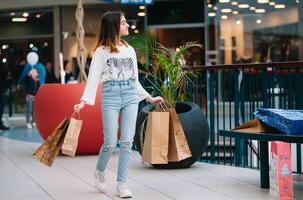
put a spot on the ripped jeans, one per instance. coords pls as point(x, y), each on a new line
point(118, 97)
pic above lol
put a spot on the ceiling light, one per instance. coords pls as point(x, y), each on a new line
point(280, 6)
point(133, 26)
point(136, 31)
point(259, 21)
point(141, 14)
point(263, 1)
point(25, 14)
point(226, 10)
point(4, 60)
point(235, 12)
point(243, 5)
point(45, 44)
point(211, 14)
point(297, 1)
point(5, 46)
point(272, 3)
point(31, 46)
point(252, 8)
point(19, 19)
point(38, 15)
point(224, 17)
point(141, 7)
point(260, 10)
point(224, 1)
point(209, 5)
point(215, 8)
point(238, 22)
point(234, 3)
point(12, 13)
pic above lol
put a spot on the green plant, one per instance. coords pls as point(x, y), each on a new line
point(165, 68)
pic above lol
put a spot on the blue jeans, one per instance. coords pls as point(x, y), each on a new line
point(30, 101)
point(118, 97)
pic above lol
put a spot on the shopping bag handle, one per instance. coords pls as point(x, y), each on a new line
point(76, 114)
point(163, 105)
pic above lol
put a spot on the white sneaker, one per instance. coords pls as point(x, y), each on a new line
point(100, 180)
point(28, 125)
point(123, 190)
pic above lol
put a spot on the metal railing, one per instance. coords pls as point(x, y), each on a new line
point(229, 95)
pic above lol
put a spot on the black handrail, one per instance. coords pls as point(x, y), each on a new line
point(290, 64)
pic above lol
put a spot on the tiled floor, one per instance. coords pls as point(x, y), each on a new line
point(22, 177)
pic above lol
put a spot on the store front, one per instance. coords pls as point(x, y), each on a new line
point(23, 31)
point(250, 31)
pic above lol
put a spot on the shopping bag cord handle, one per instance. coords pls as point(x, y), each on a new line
point(163, 106)
point(76, 114)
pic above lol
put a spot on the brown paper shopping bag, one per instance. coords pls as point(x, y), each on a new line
point(178, 148)
point(155, 146)
point(70, 143)
point(255, 126)
point(48, 151)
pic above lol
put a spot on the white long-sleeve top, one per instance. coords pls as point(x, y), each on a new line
point(112, 66)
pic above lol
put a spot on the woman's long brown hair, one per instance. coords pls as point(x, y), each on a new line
point(110, 28)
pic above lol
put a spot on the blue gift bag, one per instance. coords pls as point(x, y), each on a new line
point(288, 121)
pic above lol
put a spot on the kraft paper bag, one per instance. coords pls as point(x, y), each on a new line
point(48, 151)
point(280, 171)
point(178, 148)
point(70, 143)
point(155, 148)
point(255, 126)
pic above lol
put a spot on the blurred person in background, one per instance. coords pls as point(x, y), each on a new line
point(32, 76)
point(5, 77)
point(50, 76)
point(69, 76)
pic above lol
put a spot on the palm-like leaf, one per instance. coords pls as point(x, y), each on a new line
point(166, 68)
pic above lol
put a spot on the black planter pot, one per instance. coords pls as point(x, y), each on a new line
point(195, 127)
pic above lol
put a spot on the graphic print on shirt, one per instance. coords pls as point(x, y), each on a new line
point(119, 69)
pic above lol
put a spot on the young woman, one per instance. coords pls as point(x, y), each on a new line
point(114, 63)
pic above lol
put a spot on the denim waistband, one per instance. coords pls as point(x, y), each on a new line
point(120, 82)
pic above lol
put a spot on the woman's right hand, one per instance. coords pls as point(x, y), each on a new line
point(79, 106)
